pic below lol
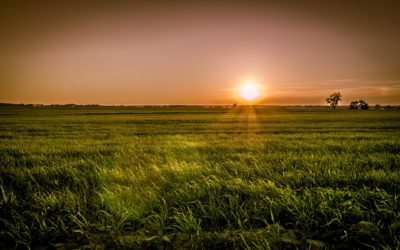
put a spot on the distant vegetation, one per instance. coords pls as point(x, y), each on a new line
point(334, 99)
point(199, 177)
point(361, 104)
point(234, 105)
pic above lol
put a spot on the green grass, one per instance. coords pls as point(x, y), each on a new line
point(197, 177)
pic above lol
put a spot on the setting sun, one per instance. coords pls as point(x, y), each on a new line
point(249, 91)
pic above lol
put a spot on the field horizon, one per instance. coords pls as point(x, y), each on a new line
point(343, 106)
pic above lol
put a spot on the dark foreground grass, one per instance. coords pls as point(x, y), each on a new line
point(197, 177)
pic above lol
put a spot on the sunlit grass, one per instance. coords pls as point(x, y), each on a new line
point(244, 177)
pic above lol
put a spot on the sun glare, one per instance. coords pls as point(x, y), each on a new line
point(250, 91)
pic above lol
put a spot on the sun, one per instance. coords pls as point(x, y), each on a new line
point(250, 91)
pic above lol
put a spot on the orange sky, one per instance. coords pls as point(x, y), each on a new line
point(197, 53)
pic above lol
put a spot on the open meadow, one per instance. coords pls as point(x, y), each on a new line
point(199, 177)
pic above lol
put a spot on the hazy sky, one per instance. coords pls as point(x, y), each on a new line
point(192, 52)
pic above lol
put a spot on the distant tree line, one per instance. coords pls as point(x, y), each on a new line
point(334, 99)
point(68, 105)
point(72, 105)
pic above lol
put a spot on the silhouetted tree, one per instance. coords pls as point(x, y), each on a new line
point(377, 107)
point(360, 104)
point(354, 105)
point(334, 99)
point(363, 105)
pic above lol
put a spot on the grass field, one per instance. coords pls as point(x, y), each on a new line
point(198, 177)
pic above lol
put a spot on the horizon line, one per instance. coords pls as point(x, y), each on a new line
point(161, 105)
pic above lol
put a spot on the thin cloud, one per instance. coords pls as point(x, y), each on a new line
point(343, 80)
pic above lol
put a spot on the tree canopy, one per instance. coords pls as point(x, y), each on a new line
point(334, 99)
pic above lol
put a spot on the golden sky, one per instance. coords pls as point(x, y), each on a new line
point(192, 52)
